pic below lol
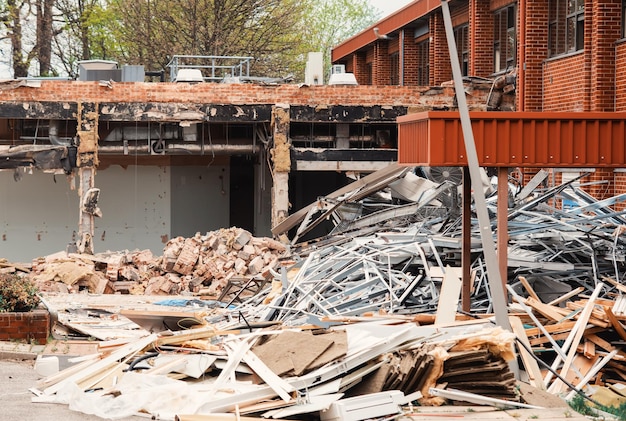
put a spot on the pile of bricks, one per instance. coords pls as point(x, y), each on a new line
point(200, 265)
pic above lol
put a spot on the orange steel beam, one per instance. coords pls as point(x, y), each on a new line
point(515, 139)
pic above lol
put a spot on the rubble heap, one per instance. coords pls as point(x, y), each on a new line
point(202, 264)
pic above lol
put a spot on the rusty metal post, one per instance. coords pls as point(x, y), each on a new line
point(503, 223)
point(466, 232)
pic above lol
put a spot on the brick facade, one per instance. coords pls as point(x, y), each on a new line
point(410, 59)
point(564, 84)
point(33, 326)
point(620, 76)
point(481, 38)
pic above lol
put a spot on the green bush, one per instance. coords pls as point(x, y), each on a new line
point(17, 294)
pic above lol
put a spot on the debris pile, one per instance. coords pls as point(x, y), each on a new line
point(282, 373)
point(202, 264)
point(372, 308)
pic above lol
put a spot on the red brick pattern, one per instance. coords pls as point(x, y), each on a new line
point(441, 71)
point(216, 93)
point(410, 59)
point(536, 48)
point(620, 77)
point(564, 83)
point(481, 38)
point(32, 326)
point(607, 26)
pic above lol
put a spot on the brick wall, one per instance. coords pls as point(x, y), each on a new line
point(211, 93)
point(32, 326)
point(606, 29)
point(536, 51)
point(602, 190)
point(564, 84)
point(381, 72)
point(410, 59)
point(440, 69)
point(619, 185)
point(481, 38)
point(620, 77)
point(360, 69)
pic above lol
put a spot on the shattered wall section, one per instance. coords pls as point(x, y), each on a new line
point(281, 162)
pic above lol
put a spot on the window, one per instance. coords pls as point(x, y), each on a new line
point(461, 35)
point(504, 39)
point(394, 64)
point(423, 65)
point(623, 18)
point(566, 26)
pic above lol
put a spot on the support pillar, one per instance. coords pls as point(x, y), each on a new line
point(86, 162)
point(466, 251)
point(503, 223)
point(281, 163)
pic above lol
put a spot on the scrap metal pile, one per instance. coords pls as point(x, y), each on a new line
point(371, 309)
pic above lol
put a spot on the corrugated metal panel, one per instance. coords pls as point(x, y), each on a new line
point(510, 139)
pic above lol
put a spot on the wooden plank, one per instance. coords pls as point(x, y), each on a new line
point(567, 296)
point(553, 328)
point(104, 363)
point(532, 367)
point(616, 284)
point(529, 288)
point(617, 325)
point(553, 313)
point(571, 343)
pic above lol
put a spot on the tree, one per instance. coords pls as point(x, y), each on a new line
point(333, 21)
point(44, 35)
point(151, 31)
point(86, 32)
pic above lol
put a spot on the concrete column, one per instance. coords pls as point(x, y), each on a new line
point(281, 163)
point(87, 161)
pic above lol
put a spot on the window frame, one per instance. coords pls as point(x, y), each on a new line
point(423, 62)
point(566, 27)
point(505, 26)
point(461, 36)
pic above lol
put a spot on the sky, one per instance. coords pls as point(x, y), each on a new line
point(389, 6)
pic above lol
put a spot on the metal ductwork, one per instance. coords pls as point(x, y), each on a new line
point(181, 149)
point(53, 135)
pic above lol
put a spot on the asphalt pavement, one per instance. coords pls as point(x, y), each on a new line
point(16, 378)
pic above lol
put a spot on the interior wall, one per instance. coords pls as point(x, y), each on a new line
point(135, 204)
point(200, 199)
point(38, 214)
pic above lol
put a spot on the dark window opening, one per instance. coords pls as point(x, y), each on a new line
point(394, 63)
point(504, 46)
point(566, 28)
point(423, 65)
point(461, 35)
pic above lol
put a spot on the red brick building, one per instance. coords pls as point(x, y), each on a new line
point(564, 55)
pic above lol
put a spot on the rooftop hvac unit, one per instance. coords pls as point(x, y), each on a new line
point(338, 68)
point(189, 75)
point(93, 70)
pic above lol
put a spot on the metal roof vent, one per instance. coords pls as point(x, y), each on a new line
point(189, 75)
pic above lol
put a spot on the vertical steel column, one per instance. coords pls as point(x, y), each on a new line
point(466, 232)
point(493, 271)
point(503, 223)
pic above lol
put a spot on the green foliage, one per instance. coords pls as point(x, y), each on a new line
point(582, 406)
point(331, 22)
point(17, 294)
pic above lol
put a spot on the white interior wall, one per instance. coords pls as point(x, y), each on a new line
point(142, 207)
point(38, 214)
point(200, 199)
point(135, 205)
